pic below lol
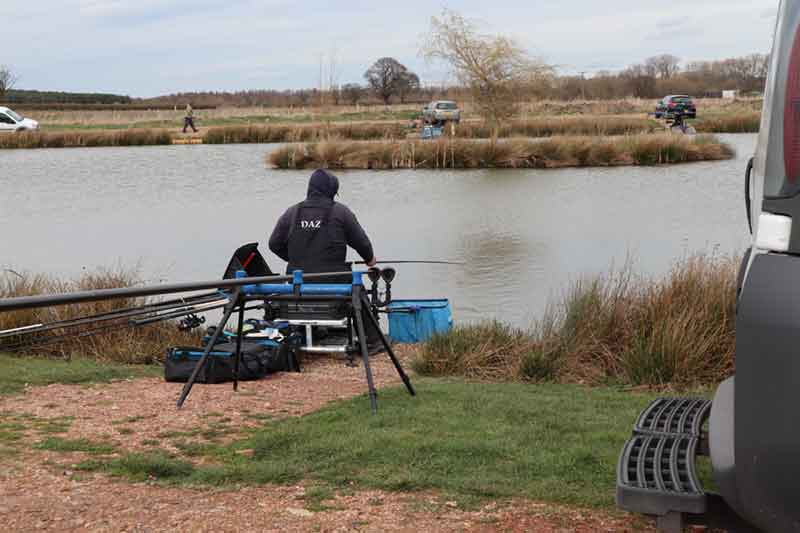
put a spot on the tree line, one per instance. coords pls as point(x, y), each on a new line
point(20, 97)
point(389, 81)
point(492, 71)
point(664, 74)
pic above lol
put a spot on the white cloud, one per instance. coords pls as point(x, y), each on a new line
point(145, 47)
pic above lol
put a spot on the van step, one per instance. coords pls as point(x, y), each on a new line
point(674, 416)
point(656, 475)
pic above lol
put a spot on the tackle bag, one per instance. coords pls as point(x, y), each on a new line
point(257, 360)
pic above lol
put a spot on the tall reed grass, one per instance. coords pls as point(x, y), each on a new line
point(734, 123)
point(281, 133)
point(141, 345)
point(596, 125)
point(80, 139)
point(555, 152)
point(678, 330)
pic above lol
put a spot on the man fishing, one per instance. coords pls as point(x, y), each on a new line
point(313, 235)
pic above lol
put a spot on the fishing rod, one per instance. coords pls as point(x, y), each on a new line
point(219, 304)
point(46, 300)
point(410, 262)
point(44, 341)
point(188, 303)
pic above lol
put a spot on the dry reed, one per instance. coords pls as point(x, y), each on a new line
point(555, 152)
point(120, 344)
point(81, 139)
point(678, 330)
point(734, 123)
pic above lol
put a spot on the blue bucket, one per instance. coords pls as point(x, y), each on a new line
point(413, 321)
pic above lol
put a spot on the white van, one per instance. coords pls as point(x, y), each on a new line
point(11, 121)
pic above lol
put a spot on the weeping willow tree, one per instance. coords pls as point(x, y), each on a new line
point(495, 69)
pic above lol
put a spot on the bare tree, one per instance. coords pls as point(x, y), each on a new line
point(7, 80)
point(749, 72)
point(409, 83)
point(333, 76)
point(665, 66)
point(494, 68)
point(639, 80)
point(352, 92)
point(385, 77)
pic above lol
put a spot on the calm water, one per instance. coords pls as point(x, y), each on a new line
point(180, 211)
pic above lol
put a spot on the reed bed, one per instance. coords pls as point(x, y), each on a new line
point(734, 123)
point(123, 345)
point(597, 125)
point(282, 133)
point(678, 330)
point(539, 127)
point(82, 139)
point(452, 153)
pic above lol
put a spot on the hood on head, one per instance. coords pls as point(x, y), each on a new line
point(323, 183)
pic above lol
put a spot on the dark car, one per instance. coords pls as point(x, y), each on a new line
point(676, 103)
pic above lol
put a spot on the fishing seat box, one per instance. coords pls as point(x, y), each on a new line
point(415, 321)
point(257, 361)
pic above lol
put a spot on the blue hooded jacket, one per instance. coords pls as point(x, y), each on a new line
point(313, 235)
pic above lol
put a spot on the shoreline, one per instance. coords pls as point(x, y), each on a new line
point(543, 127)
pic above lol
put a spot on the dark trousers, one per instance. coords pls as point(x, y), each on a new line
point(188, 121)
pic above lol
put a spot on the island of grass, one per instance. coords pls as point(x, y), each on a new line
point(455, 153)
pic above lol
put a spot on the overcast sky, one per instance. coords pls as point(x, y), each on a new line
point(151, 47)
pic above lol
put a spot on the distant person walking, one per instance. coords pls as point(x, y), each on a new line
point(188, 120)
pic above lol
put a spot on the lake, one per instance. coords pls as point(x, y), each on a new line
point(180, 211)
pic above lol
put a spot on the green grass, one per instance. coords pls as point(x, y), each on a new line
point(141, 467)
point(58, 444)
point(469, 441)
point(17, 372)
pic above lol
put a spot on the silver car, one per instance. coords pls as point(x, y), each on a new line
point(440, 111)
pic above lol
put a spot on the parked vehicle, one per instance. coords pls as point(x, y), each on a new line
point(440, 111)
point(676, 102)
point(11, 121)
point(748, 433)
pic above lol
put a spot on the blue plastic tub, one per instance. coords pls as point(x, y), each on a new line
point(413, 321)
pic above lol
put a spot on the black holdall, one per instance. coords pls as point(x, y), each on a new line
point(257, 360)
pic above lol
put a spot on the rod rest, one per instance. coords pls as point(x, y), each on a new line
point(299, 288)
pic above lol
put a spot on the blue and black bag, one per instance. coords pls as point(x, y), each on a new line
point(257, 361)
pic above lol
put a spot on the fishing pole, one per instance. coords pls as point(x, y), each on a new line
point(410, 262)
point(46, 300)
point(187, 303)
point(102, 329)
point(218, 304)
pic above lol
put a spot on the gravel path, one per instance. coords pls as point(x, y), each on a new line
point(40, 491)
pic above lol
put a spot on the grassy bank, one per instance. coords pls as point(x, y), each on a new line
point(470, 441)
point(539, 127)
point(81, 139)
point(18, 372)
point(677, 330)
point(120, 344)
point(555, 152)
